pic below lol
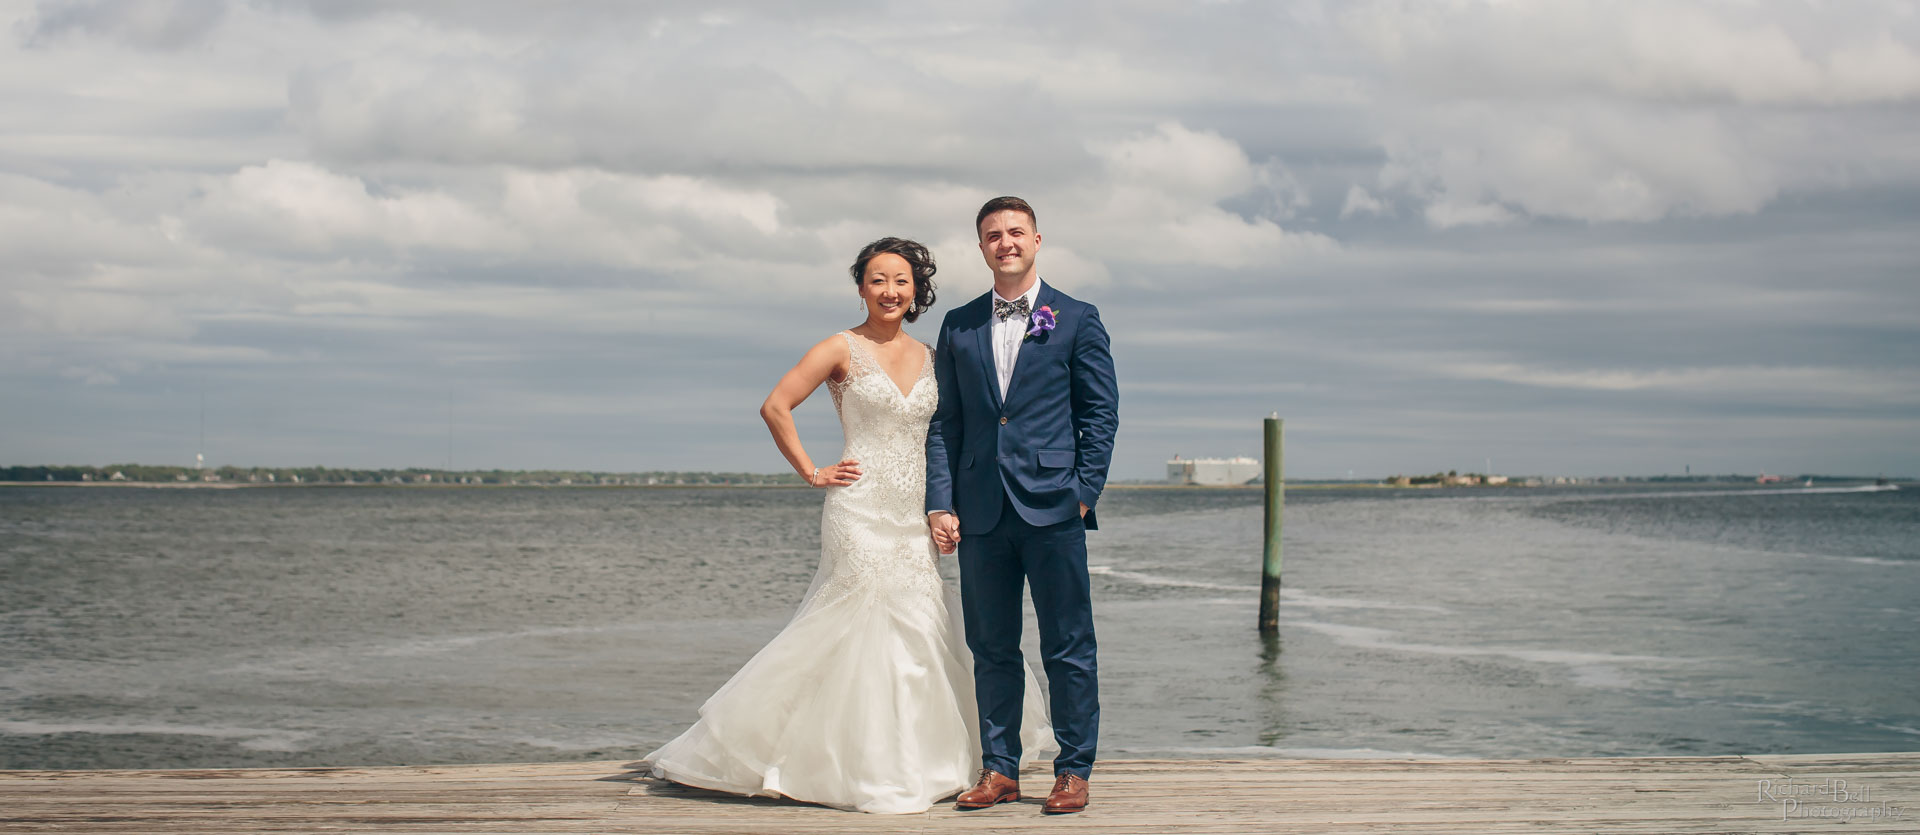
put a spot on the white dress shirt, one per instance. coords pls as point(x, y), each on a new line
point(1007, 334)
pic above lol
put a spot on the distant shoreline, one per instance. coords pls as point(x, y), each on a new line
point(231, 485)
point(236, 485)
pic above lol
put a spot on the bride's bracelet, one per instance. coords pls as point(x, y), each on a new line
point(815, 481)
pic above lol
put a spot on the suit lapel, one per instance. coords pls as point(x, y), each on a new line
point(1020, 363)
point(984, 337)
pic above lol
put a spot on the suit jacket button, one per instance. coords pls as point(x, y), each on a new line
point(1003, 420)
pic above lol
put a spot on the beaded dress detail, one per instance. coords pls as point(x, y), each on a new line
point(864, 701)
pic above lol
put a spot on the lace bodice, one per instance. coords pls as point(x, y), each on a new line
point(874, 531)
point(876, 415)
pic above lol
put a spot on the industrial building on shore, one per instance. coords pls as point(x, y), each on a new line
point(1213, 472)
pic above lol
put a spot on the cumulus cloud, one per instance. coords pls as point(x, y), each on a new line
point(287, 206)
point(1175, 160)
point(1583, 162)
point(53, 231)
point(148, 24)
point(1359, 201)
point(1628, 218)
point(1644, 49)
point(1161, 201)
point(1624, 112)
point(669, 222)
point(759, 100)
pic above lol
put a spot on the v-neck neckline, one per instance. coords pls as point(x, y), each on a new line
point(919, 375)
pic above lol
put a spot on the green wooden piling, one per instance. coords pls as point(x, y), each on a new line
point(1276, 500)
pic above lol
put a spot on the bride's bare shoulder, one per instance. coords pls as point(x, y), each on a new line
point(829, 358)
point(837, 343)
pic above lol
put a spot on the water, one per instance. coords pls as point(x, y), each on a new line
point(154, 628)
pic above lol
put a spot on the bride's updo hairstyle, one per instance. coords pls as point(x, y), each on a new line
point(918, 258)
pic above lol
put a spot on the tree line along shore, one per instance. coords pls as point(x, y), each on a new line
point(144, 475)
point(150, 475)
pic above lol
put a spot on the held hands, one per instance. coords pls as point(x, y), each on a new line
point(946, 530)
point(838, 475)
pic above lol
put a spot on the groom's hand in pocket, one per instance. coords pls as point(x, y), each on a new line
point(946, 530)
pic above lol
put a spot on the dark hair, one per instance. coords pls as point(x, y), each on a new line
point(918, 258)
point(1002, 204)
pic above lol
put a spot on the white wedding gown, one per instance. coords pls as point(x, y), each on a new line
point(864, 701)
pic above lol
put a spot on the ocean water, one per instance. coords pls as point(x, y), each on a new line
point(157, 628)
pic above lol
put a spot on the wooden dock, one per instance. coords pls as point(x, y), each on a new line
point(1731, 794)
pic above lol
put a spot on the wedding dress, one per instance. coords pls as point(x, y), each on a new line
point(864, 701)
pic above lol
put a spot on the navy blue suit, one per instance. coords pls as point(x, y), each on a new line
point(1016, 471)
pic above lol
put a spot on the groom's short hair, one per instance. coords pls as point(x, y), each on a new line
point(1002, 204)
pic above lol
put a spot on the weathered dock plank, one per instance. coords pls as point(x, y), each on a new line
point(1732, 794)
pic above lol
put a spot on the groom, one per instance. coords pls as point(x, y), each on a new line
point(1016, 457)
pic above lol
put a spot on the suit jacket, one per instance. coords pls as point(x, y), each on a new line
point(1048, 444)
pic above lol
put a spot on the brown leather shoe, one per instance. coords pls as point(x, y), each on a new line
point(992, 789)
point(1069, 795)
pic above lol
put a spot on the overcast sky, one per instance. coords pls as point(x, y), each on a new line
point(1572, 237)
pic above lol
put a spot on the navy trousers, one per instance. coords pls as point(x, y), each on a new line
point(1052, 560)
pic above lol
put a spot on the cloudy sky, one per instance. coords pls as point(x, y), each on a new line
point(1573, 237)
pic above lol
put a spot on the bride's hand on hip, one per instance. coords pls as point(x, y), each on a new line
point(838, 475)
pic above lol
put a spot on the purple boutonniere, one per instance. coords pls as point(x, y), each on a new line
point(1043, 321)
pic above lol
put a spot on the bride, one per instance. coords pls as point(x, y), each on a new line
point(864, 701)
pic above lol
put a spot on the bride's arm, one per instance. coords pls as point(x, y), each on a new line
point(822, 362)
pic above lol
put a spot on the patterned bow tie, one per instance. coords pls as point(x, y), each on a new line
point(1008, 310)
